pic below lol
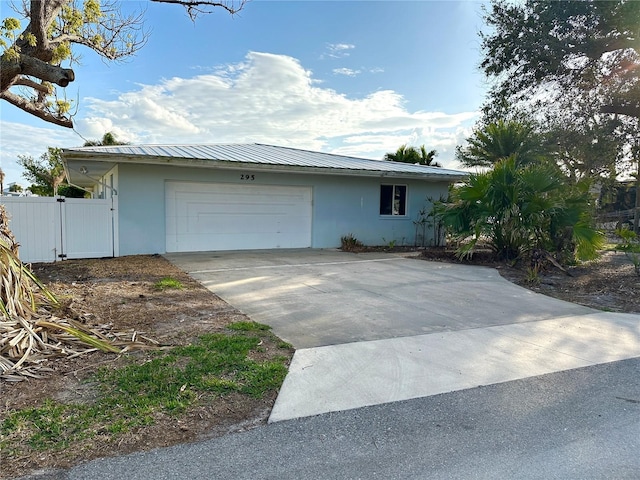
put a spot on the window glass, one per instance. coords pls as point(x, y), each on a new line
point(399, 199)
point(386, 199)
point(393, 199)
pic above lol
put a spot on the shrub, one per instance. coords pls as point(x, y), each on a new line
point(70, 191)
point(349, 243)
point(630, 246)
point(517, 208)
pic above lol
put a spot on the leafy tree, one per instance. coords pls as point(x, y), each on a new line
point(71, 191)
point(406, 154)
point(502, 139)
point(589, 147)
point(15, 188)
point(32, 57)
point(46, 173)
point(519, 208)
point(565, 49)
point(578, 59)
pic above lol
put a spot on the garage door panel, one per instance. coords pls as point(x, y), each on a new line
point(236, 217)
point(234, 223)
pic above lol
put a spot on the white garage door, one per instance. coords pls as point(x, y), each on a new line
point(220, 216)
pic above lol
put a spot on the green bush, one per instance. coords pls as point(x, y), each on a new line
point(517, 208)
point(70, 191)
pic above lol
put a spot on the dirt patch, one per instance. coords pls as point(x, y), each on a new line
point(120, 293)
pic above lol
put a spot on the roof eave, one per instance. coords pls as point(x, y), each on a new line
point(236, 165)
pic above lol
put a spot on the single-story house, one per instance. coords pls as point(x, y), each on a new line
point(183, 198)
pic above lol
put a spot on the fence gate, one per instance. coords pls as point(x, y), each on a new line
point(49, 229)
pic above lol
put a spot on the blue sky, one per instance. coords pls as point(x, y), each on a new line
point(348, 77)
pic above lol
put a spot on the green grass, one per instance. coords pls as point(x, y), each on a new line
point(168, 283)
point(170, 382)
point(249, 327)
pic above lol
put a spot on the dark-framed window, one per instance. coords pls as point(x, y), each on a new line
point(393, 200)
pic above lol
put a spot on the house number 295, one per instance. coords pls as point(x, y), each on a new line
point(247, 177)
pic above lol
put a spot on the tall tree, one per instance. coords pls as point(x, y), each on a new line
point(1, 181)
point(32, 57)
point(564, 49)
point(581, 57)
point(588, 147)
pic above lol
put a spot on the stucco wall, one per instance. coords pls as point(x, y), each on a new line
point(341, 205)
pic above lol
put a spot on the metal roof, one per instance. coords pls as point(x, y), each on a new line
point(259, 154)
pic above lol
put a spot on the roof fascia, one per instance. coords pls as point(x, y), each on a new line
point(234, 165)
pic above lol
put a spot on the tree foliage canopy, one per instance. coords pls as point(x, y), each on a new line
point(555, 51)
point(32, 56)
point(45, 173)
point(499, 140)
point(406, 154)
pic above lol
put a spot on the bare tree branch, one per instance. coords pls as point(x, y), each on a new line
point(195, 7)
point(32, 108)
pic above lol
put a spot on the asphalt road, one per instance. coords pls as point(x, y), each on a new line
point(575, 424)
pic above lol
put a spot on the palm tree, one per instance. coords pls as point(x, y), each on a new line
point(1, 181)
point(428, 158)
point(108, 138)
point(406, 154)
point(499, 140)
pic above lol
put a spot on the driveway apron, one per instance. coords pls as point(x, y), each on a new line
point(373, 328)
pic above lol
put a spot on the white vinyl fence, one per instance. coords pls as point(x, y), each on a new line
point(49, 229)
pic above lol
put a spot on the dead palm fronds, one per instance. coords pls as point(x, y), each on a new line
point(30, 334)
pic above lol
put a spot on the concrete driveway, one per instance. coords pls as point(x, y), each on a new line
point(375, 328)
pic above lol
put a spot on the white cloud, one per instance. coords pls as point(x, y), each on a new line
point(267, 98)
point(346, 71)
point(338, 50)
point(20, 139)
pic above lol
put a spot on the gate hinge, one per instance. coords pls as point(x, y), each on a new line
point(62, 256)
point(61, 200)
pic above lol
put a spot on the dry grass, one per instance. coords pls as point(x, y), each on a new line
point(30, 333)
